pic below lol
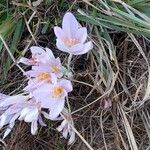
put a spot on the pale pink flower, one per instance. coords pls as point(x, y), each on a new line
point(67, 126)
point(39, 80)
point(52, 66)
point(31, 113)
point(18, 107)
point(52, 96)
point(39, 55)
point(72, 37)
point(13, 106)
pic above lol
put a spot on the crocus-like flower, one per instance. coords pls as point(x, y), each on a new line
point(13, 106)
point(31, 113)
point(52, 96)
point(66, 127)
point(52, 66)
point(39, 80)
point(71, 37)
point(39, 55)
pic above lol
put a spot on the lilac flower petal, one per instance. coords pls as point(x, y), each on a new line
point(33, 115)
point(55, 111)
point(77, 49)
point(59, 33)
point(81, 34)
point(61, 46)
point(13, 99)
point(66, 84)
point(36, 50)
point(49, 53)
point(25, 61)
point(2, 96)
point(87, 46)
point(70, 24)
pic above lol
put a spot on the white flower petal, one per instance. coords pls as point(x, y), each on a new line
point(56, 110)
point(24, 112)
point(72, 138)
point(36, 50)
point(33, 115)
point(8, 130)
point(13, 99)
point(34, 127)
point(81, 34)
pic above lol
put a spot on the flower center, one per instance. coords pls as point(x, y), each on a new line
point(71, 42)
point(56, 69)
point(45, 76)
point(58, 91)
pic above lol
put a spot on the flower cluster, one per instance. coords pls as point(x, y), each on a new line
point(46, 90)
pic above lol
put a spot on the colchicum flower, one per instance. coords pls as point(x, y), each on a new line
point(21, 108)
point(71, 38)
point(31, 113)
point(66, 127)
point(39, 55)
point(39, 80)
point(52, 96)
point(12, 107)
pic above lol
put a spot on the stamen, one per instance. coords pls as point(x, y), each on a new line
point(45, 76)
point(71, 42)
point(56, 69)
point(58, 91)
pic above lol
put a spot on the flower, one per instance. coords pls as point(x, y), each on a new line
point(39, 55)
point(71, 37)
point(52, 96)
point(11, 106)
point(21, 108)
point(66, 127)
point(52, 66)
point(39, 80)
point(31, 113)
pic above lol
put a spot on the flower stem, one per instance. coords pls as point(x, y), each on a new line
point(69, 61)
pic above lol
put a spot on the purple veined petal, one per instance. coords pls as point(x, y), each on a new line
point(66, 84)
point(81, 34)
point(87, 46)
point(75, 50)
point(13, 99)
point(25, 61)
point(36, 50)
point(59, 33)
point(61, 46)
point(34, 127)
point(33, 115)
point(56, 109)
point(70, 25)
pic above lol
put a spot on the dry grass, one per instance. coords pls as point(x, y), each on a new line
point(116, 71)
